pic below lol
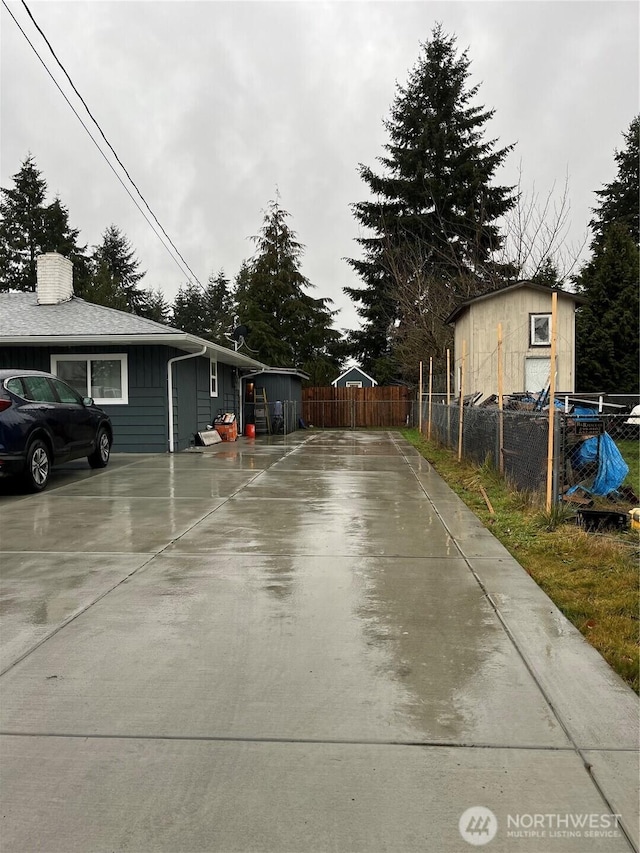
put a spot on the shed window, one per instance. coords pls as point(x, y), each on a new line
point(353, 384)
point(103, 377)
point(540, 334)
point(213, 385)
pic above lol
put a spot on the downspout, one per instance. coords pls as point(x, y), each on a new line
point(240, 403)
point(170, 364)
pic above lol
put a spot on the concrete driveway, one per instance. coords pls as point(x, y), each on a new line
point(301, 644)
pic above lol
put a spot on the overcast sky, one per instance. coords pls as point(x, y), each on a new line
point(212, 105)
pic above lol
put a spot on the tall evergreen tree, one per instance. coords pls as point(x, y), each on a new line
point(287, 327)
point(607, 326)
point(29, 227)
point(219, 308)
point(154, 306)
point(102, 288)
point(619, 200)
point(547, 274)
point(116, 258)
point(432, 219)
point(189, 310)
point(60, 237)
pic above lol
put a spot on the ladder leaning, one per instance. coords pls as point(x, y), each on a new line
point(262, 419)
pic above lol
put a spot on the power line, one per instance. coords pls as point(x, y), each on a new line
point(95, 121)
point(127, 190)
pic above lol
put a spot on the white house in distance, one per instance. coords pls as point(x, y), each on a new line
point(524, 309)
point(354, 377)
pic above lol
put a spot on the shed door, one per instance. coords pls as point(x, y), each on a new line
point(537, 372)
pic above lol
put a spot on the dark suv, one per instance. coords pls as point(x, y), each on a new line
point(43, 422)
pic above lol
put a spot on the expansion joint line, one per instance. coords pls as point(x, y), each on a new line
point(137, 570)
point(556, 713)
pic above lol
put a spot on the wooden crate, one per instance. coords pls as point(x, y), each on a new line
point(227, 432)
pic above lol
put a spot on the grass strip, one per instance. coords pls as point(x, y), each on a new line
point(592, 578)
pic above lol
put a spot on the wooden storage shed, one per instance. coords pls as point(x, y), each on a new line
point(524, 310)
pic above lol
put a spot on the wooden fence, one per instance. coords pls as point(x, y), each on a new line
point(349, 408)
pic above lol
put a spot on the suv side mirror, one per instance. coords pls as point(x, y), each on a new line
point(88, 401)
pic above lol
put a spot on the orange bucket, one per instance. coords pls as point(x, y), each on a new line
point(250, 430)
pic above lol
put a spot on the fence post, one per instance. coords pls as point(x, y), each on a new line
point(430, 396)
point(461, 407)
point(500, 404)
point(558, 456)
point(448, 397)
point(420, 401)
point(552, 393)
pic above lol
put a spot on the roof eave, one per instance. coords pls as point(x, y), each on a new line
point(185, 342)
point(280, 371)
point(532, 285)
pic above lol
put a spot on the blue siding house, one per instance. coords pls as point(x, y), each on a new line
point(158, 384)
point(354, 377)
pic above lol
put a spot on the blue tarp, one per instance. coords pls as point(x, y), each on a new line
point(612, 469)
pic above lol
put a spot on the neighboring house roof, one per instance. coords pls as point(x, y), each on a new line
point(24, 322)
point(350, 370)
point(530, 285)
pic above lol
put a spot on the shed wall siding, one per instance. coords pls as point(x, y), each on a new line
point(276, 387)
point(479, 326)
point(283, 387)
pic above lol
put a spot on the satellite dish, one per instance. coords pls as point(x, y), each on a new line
point(239, 333)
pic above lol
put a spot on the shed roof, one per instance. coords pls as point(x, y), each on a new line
point(531, 285)
point(23, 322)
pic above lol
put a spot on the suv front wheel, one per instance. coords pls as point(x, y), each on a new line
point(38, 466)
point(100, 456)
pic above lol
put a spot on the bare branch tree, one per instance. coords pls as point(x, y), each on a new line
point(535, 233)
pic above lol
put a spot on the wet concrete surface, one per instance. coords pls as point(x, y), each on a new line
point(289, 644)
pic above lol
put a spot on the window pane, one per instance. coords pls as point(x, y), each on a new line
point(15, 386)
point(106, 379)
point(541, 330)
point(38, 389)
point(214, 378)
point(66, 393)
point(74, 373)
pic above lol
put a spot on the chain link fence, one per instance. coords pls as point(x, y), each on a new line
point(519, 438)
point(599, 458)
point(596, 456)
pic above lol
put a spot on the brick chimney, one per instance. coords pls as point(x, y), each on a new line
point(55, 279)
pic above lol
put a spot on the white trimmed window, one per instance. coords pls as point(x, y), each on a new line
point(540, 334)
point(213, 378)
point(353, 384)
point(103, 377)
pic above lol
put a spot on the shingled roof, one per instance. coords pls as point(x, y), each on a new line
point(24, 321)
